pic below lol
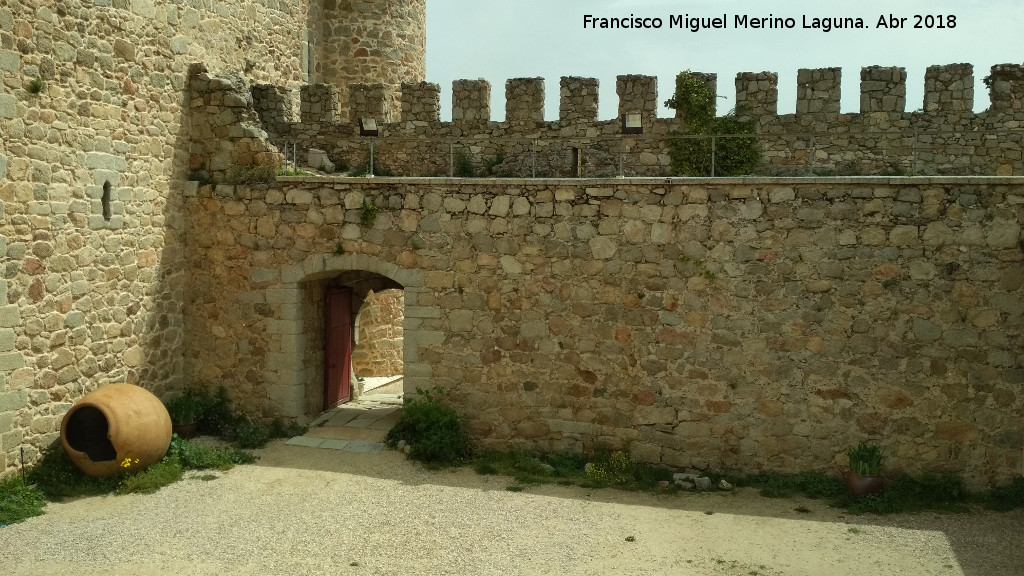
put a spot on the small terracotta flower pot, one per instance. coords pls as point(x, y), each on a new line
point(186, 430)
point(859, 485)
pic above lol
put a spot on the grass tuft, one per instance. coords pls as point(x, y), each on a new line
point(153, 478)
point(19, 502)
point(810, 484)
point(606, 469)
point(57, 477)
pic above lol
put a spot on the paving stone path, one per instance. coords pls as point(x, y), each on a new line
point(355, 427)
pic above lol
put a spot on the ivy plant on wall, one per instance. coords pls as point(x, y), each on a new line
point(692, 156)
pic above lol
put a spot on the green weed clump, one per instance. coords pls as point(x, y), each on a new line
point(605, 469)
point(943, 492)
point(19, 502)
point(528, 468)
point(153, 478)
point(463, 165)
point(906, 493)
point(810, 484)
point(57, 477)
point(248, 433)
point(255, 173)
point(866, 459)
point(217, 417)
point(195, 456)
point(36, 86)
point(433, 430)
point(1004, 498)
point(368, 212)
point(617, 469)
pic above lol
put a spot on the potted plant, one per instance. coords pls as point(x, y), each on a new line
point(185, 411)
point(865, 465)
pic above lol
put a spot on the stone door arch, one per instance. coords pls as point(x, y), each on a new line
point(295, 373)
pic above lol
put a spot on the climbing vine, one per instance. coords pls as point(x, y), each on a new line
point(368, 212)
point(692, 156)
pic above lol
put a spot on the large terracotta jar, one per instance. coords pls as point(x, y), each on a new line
point(114, 423)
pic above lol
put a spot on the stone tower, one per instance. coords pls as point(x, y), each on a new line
point(367, 41)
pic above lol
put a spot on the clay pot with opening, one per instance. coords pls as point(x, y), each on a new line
point(112, 423)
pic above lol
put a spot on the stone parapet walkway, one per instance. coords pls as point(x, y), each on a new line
point(359, 426)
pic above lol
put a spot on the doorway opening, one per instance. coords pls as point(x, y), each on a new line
point(354, 338)
point(378, 356)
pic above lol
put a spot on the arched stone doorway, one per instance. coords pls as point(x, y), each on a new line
point(299, 369)
point(340, 303)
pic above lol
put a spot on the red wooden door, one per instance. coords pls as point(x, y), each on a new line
point(338, 347)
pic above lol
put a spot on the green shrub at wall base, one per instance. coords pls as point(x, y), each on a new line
point(186, 408)
point(434, 432)
point(1004, 498)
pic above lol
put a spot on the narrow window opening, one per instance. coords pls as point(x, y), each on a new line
point(106, 200)
point(577, 162)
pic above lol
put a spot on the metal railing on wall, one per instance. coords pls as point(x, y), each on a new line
point(619, 155)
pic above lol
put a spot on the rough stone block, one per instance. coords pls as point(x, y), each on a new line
point(11, 361)
point(603, 248)
point(293, 273)
point(11, 440)
point(262, 276)
point(104, 161)
point(10, 61)
point(144, 8)
point(8, 106)
point(422, 312)
point(284, 327)
point(283, 295)
point(10, 316)
point(179, 45)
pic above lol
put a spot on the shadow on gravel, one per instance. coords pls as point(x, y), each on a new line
point(985, 543)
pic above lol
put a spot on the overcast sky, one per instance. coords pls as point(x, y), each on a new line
point(497, 40)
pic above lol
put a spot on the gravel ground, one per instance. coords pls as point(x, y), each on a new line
point(308, 511)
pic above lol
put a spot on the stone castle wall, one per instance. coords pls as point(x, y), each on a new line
point(94, 117)
point(945, 136)
point(724, 325)
point(379, 349)
point(733, 324)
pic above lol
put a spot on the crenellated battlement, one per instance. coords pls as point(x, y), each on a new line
point(318, 103)
point(945, 135)
point(471, 102)
point(524, 102)
point(757, 94)
point(578, 100)
point(883, 89)
point(1006, 87)
point(818, 91)
point(948, 88)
